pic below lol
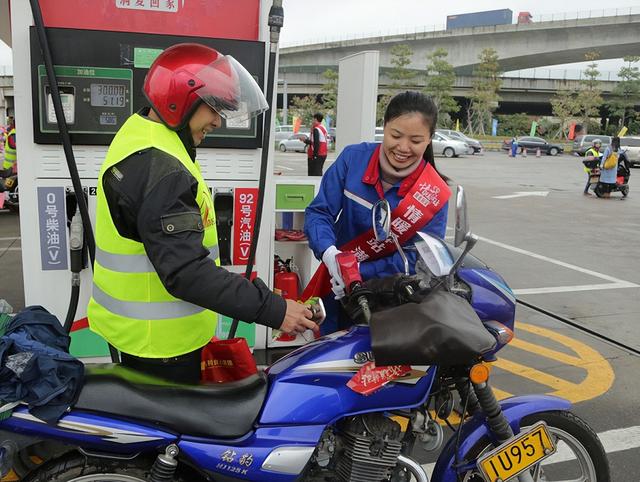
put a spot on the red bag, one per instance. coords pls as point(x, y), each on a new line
point(226, 361)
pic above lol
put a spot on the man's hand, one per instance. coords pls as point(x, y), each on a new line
point(297, 319)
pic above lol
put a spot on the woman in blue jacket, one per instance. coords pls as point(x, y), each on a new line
point(364, 173)
point(608, 176)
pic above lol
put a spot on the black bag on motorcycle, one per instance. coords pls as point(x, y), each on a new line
point(442, 329)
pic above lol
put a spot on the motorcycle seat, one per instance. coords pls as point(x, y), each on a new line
point(225, 410)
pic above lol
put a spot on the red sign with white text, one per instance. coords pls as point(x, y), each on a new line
point(371, 378)
point(237, 19)
point(245, 200)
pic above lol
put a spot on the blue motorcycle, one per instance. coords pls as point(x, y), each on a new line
point(326, 412)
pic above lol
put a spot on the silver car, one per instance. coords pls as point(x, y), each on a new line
point(294, 142)
point(449, 147)
point(459, 136)
point(631, 145)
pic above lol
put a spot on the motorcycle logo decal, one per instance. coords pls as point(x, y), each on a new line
point(228, 458)
point(111, 435)
point(363, 357)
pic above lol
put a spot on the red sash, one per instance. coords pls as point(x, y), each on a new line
point(425, 198)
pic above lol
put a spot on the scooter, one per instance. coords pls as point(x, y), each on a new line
point(622, 177)
point(325, 411)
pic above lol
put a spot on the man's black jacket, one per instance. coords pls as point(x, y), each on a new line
point(150, 185)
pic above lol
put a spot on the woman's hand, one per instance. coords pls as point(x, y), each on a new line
point(329, 260)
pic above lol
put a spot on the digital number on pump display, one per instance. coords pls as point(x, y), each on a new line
point(108, 95)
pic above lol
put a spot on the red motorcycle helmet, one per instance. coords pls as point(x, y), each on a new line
point(185, 74)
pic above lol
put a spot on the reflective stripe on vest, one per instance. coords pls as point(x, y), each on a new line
point(134, 263)
point(10, 155)
point(159, 310)
point(130, 307)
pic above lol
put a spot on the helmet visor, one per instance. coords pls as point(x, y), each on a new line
point(229, 89)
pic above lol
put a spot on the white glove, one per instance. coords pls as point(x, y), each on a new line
point(329, 259)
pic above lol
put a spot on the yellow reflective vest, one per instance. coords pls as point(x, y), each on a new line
point(10, 155)
point(129, 305)
point(590, 152)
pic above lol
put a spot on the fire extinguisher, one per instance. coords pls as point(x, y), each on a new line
point(285, 278)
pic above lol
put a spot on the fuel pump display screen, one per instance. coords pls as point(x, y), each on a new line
point(100, 77)
point(108, 95)
point(95, 100)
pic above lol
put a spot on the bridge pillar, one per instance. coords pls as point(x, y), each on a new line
point(357, 96)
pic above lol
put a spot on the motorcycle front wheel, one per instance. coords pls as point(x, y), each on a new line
point(579, 455)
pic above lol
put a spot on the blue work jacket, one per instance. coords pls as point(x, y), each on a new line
point(341, 210)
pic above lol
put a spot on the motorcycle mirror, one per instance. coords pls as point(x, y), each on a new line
point(381, 220)
point(462, 224)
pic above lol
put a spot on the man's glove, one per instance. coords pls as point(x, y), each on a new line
point(329, 260)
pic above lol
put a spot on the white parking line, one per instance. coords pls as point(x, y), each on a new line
point(615, 440)
point(614, 285)
point(285, 167)
point(555, 261)
point(567, 289)
point(10, 239)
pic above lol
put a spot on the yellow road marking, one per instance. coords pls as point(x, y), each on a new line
point(599, 373)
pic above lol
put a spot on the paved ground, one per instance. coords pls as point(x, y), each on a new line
point(568, 253)
point(573, 255)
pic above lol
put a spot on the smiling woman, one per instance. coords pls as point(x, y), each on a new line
point(401, 169)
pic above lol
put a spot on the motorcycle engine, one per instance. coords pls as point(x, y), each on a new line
point(367, 448)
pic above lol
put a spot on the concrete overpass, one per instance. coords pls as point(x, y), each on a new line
point(516, 94)
point(518, 46)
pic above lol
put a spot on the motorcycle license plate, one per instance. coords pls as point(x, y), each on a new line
point(517, 454)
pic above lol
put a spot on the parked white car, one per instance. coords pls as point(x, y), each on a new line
point(632, 147)
point(294, 142)
point(449, 147)
point(282, 132)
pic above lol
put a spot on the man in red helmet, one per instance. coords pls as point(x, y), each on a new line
point(157, 282)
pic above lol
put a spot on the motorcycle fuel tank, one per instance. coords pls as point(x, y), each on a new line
point(309, 386)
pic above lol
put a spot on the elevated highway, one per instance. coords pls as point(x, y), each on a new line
point(518, 46)
point(516, 94)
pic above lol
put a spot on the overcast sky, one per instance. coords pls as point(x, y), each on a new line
point(331, 19)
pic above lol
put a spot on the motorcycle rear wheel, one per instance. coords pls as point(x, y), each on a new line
point(571, 434)
point(74, 467)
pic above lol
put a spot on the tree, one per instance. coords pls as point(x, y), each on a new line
point(330, 90)
point(589, 96)
point(399, 75)
point(305, 107)
point(626, 92)
point(484, 96)
point(439, 85)
point(514, 125)
point(564, 106)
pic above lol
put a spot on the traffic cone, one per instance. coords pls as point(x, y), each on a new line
point(538, 152)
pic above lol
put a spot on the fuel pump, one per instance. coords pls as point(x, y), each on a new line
point(78, 76)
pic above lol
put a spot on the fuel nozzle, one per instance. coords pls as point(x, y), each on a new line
point(354, 290)
point(76, 243)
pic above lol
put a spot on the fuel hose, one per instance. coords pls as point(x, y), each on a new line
point(276, 20)
point(68, 151)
